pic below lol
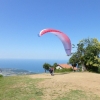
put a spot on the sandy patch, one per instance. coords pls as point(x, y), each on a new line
point(59, 84)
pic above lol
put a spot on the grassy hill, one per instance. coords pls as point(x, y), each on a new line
point(72, 86)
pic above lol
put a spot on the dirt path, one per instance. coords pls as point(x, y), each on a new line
point(60, 83)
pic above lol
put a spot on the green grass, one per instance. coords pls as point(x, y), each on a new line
point(79, 95)
point(25, 88)
point(19, 88)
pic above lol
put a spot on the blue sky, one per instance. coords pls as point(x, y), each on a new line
point(22, 20)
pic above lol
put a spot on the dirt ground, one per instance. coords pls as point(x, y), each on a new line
point(58, 84)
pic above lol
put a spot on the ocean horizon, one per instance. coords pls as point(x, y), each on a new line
point(31, 65)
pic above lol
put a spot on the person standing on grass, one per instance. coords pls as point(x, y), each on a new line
point(51, 69)
point(74, 67)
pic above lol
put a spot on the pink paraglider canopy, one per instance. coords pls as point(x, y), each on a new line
point(63, 37)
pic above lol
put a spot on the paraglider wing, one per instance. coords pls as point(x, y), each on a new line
point(63, 37)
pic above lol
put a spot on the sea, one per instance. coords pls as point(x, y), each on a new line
point(29, 65)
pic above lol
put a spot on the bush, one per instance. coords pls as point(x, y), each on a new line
point(1, 75)
point(63, 70)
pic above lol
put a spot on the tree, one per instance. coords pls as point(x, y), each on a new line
point(91, 57)
point(46, 66)
point(55, 65)
point(87, 54)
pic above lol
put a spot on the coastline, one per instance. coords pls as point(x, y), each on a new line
point(14, 72)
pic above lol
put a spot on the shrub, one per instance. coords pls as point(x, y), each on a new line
point(64, 70)
point(1, 75)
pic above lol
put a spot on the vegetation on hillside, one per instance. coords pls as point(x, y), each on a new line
point(1, 76)
point(87, 55)
point(47, 65)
